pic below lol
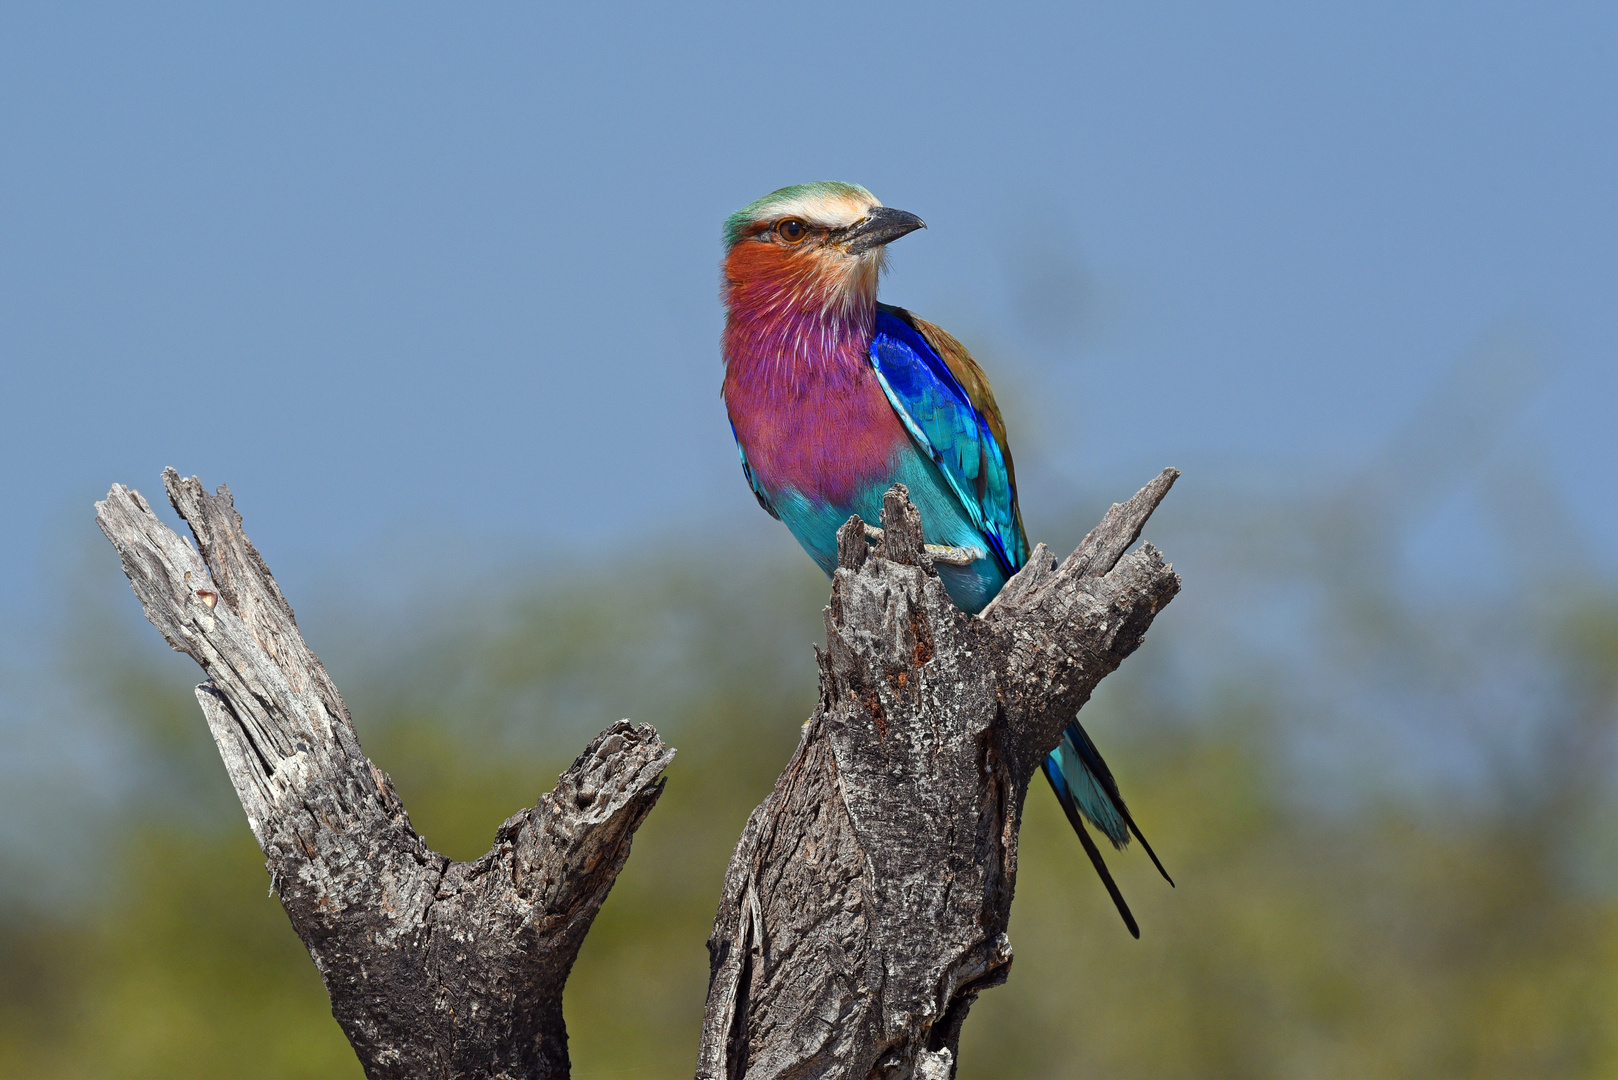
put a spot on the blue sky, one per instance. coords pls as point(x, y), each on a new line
point(395, 270)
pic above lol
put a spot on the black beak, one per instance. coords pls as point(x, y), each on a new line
point(883, 225)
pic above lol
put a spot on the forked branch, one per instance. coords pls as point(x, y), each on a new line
point(435, 968)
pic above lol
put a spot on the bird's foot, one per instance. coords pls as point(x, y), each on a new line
point(955, 556)
point(939, 553)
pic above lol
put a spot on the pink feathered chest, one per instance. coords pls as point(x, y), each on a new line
point(807, 408)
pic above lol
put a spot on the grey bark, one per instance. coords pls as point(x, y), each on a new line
point(435, 968)
point(867, 900)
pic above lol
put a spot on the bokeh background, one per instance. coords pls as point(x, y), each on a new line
point(434, 289)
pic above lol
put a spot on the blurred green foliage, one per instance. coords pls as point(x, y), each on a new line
point(1331, 920)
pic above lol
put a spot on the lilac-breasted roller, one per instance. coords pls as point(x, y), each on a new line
point(834, 398)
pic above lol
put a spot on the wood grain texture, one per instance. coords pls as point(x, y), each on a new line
point(867, 900)
point(435, 968)
point(865, 906)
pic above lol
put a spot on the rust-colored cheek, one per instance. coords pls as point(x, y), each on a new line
point(758, 274)
point(751, 261)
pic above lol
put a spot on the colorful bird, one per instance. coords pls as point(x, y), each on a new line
point(834, 398)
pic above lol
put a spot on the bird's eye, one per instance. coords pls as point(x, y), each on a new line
point(792, 230)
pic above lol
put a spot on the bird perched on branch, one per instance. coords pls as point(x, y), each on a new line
point(834, 398)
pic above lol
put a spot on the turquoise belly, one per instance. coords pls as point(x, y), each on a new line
point(943, 521)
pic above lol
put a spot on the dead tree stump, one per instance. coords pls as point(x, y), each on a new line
point(867, 901)
point(435, 968)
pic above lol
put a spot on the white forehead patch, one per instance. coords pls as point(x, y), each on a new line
point(834, 211)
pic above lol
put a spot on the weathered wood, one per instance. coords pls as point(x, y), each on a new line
point(866, 903)
point(435, 968)
point(867, 900)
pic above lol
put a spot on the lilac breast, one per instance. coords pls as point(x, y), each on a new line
point(808, 409)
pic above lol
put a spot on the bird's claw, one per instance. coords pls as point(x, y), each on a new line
point(939, 553)
point(954, 556)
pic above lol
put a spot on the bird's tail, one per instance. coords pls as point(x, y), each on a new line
point(1085, 788)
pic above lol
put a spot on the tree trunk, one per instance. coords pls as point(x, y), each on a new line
point(866, 903)
point(435, 968)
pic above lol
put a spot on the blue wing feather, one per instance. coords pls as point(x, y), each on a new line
point(948, 426)
point(954, 432)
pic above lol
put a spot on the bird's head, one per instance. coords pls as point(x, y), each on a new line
point(818, 244)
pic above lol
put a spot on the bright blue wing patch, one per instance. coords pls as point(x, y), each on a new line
point(940, 416)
